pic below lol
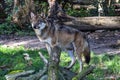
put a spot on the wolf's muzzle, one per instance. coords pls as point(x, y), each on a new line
point(36, 27)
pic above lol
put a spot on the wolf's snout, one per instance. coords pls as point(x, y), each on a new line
point(36, 27)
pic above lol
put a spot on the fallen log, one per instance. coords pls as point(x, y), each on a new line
point(95, 23)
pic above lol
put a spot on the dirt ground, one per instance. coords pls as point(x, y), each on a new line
point(100, 41)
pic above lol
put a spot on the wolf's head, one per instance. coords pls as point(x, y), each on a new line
point(37, 22)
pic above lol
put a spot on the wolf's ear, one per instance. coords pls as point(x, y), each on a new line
point(42, 15)
point(32, 16)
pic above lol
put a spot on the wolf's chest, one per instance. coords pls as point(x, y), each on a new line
point(47, 40)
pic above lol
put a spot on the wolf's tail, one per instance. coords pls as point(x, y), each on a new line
point(87, 54)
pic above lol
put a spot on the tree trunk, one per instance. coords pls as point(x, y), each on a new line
point(53, 66)
point(106, 6)
point(3, 14)
point(56, 13)
point(21, 12)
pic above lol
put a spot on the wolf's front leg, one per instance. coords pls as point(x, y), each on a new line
point(48, 49)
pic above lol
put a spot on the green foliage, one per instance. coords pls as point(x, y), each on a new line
point(106, 65)
point(17, 71)
point(7, 28)
point(14, 61)
point(112, 11)
point(64, 58)
point(12, 58)
point(78, 13)
point(41, 7)
point(8, 6)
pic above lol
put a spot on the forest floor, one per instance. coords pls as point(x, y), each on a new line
point(100, 41)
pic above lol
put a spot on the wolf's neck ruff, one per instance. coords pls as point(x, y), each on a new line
point(45, 32)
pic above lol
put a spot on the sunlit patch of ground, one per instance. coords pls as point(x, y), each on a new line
point(100, 42)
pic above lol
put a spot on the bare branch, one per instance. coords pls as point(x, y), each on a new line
point(43, 58)
point(56, 12)
point(85, 72)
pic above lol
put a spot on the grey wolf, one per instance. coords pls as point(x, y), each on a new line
point(68, 39)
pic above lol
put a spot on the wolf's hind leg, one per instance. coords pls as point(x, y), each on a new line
point(81, 64)
point(73, 59)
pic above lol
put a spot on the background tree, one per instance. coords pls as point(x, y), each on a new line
point(2, 9)
point(19, 10)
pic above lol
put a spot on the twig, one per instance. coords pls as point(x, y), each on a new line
point(43, 58)
point(45, 69)
point(38, 75)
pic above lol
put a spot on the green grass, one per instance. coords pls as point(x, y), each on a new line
point(14, 61)
point(106, 66)
point(12, 58)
